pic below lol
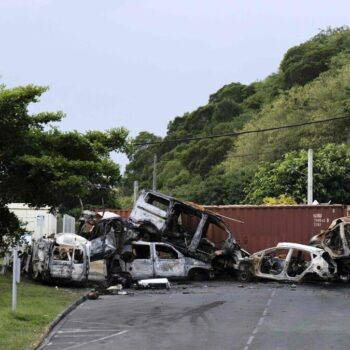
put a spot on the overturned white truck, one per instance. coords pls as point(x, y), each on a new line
point(182, 226)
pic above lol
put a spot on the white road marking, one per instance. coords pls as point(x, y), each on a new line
point(96, 340)
point(89, 323)
point(260, 322)
point(87, 330)
point(251, 338)
point(73, 335)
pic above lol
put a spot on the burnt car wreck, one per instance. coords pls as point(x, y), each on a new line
point(336, 242)
point(179, 231)
point(168, 238)
point(288, 262)
point(63, 257)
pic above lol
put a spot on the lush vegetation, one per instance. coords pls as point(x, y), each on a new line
point(37, 306)
point(41, 165)
point(312, 83)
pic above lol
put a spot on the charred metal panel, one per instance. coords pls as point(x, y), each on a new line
point(198, 234)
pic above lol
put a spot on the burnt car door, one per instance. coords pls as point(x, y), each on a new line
point(103, 238)
point(141, 265)
point(273, 263)
point(168, 262)
point(299, 263)
point(61, 262)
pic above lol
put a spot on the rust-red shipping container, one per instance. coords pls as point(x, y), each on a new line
point(265, 225)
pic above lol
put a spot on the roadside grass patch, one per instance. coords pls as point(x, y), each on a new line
point(37, 306)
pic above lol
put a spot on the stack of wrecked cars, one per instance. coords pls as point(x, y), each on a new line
point(168, 238)
point(163, 237)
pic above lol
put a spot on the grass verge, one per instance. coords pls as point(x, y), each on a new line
point(37, 307)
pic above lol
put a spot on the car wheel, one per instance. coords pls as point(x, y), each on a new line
point(197, 275)
point(244, 276)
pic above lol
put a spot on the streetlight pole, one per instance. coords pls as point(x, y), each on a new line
point(136, 190)
point(154, 185)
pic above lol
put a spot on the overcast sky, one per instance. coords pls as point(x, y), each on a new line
point(140, 63)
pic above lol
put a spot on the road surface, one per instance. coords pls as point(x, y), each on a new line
point(211, 315)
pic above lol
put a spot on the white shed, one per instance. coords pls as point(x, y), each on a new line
point(39, 221)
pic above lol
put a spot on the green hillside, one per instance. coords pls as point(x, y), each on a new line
point(312, 83)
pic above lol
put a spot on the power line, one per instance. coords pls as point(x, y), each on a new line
point(241, 132)
point(244, 155)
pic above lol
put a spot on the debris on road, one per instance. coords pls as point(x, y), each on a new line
point(93, 295)
point(115, 289)
point(156, 283)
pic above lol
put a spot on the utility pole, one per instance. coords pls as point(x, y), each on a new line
point(154, 186)
point(136, 190)
point(310, 176)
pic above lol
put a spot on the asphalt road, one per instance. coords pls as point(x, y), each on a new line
point(215, 315)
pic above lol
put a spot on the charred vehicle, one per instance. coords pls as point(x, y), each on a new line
point(186, 226)
point(158, 259)
point(288, 262)
point(336, 242)
point(160, 218)
point(62, 257)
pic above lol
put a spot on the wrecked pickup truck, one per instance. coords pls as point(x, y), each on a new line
point(336, 242)
point(160, 218)
point(62, 257)
point(288, 262)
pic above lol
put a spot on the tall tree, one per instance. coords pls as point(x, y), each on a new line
point(41, 165)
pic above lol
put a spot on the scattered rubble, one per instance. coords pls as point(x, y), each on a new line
point(93, 295)
point(155, 283)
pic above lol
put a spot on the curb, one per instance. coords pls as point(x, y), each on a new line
point(45, 339)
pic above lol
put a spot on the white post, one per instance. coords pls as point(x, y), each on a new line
point(14, 279)
point(310, 176)
point(136, 190)
point(154, 186)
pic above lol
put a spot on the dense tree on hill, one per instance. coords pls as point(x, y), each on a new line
point(41, 165)
point(141, 162)
point(312, 83)
point(307, 61)
point(289, 176)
